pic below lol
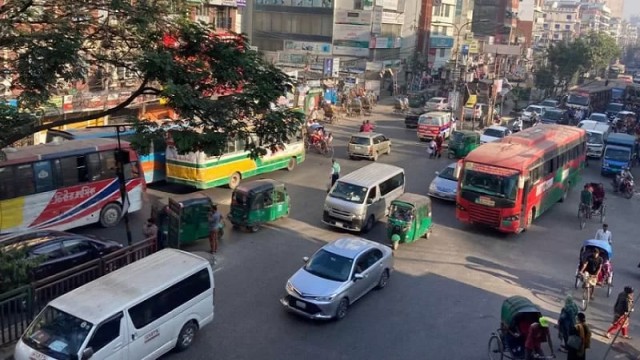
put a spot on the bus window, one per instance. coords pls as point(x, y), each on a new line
point(131, 170)
point(7, 186)
point(108, 164)
point(25, 175)
point(93, 167)
point(44, 176)
point(74, 170)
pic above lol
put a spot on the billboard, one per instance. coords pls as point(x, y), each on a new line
point(351, 40)
point(353, 17)
point(315, 48)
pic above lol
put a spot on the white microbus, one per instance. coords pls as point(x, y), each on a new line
point(138, 312)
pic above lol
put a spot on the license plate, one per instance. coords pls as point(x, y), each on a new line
point(338, 223)
point(37, 356)
point(301, 305)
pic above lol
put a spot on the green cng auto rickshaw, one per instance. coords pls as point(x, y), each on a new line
point(462, 142)
point(257, 202)
point(409, 219)
point(182, 219)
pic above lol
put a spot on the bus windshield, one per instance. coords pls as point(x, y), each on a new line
point(505, 187)
point(617, 154)
point(578, 100)
point(57, 334)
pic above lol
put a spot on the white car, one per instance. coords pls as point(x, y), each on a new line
point(437, 103)
point(527, 114)
point(599, 117)
point(494, 133)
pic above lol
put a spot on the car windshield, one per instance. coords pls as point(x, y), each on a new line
point(494, 133)
point(416, 101)
point(429, 120)
point(534, 109)
point(57, 334)
point(594, 138)
point(615, 107)
point(578, 100)
point(330, 266)
point(553, 115)
point(501, 186)
point(447, 173)
point(359, 140)
point(349, 192)
point(617, 154)
point(598, 117)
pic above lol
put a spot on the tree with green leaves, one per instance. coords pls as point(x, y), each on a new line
point(55, 43)
point(602, 50)
point(544, 80)
point(15, 269)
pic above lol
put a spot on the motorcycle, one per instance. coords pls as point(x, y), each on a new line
point(626, 188)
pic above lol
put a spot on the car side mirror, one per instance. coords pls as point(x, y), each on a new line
point(87, 353)
point(437, 173)
point(358, 276)
point(305, 259)
point(369, 201)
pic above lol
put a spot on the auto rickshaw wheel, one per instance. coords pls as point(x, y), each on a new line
point(427, 235)
point(254, 228)
point(292, 164)
point(395, 245)
point(234, 180)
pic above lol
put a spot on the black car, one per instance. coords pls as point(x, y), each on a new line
point(58, 250)
point(555, 116)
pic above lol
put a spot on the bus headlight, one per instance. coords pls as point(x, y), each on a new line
point(512, 218)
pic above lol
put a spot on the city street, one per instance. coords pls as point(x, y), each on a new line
point(443, 301)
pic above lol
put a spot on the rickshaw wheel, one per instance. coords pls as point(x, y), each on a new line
point(495, 348)
point(609, 285)
point(577, 282)
point(603, 212)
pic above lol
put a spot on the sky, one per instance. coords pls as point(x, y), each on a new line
point(631, 7)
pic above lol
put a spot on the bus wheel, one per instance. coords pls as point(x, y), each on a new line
point(234, 180)
point(110, 215)
point(292, 164)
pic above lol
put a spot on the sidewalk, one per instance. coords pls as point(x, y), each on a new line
point(6, 352)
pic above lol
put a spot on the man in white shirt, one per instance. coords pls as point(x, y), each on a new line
point(604, 233)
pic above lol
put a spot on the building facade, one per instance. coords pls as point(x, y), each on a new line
point(617, 8)
point(595, 17)
point(501, 16)
point(561, 22)
point(443, 33)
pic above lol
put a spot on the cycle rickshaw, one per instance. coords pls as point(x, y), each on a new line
point(319, 139)
point(599, 208)
point(516, 317)
point(605, 278)
point(354, 107)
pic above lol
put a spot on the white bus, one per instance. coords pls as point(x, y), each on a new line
point(141, 311)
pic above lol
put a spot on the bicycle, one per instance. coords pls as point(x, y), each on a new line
point(584, 212)
point(587, 290)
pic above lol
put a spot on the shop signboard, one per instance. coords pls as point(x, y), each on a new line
point(392, 18)
point(353, 17)
point(315, 48)
point(441, 42)
point(380, 42)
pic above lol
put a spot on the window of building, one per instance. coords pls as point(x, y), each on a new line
point(442, 52)
point(447, 10)
point(545, 26)
point(568, 17)
point(557, 26)
point(567, 27)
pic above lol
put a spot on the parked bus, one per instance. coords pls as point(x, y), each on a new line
point(63, 185)
point(153, 164)
point(229, 168)
point(507, 184)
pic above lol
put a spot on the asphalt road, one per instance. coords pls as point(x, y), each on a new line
point(443, 300)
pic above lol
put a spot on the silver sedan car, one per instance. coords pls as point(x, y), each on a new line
point(336, 276)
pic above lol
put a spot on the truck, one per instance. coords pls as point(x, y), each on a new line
point(597, 135)
point(619, 153)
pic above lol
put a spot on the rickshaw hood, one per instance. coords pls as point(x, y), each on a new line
point(600, 244)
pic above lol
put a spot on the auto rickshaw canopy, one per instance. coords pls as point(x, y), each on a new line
point(414, 200)
point(258, 186)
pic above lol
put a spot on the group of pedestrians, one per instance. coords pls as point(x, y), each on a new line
point(435, 147)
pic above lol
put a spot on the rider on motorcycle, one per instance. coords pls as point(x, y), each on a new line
point(621, 179)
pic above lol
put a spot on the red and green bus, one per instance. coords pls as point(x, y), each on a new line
point(507, 184)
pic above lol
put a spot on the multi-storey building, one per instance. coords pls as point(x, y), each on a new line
point(529, 16)
point(443, 33)
point(595, 17)
point(501, 19)
point(561, 22)
point(617, 8)
point(223, 14)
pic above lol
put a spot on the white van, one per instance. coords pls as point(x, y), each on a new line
point(358, 200)
point(138, 312)
point(597, 133)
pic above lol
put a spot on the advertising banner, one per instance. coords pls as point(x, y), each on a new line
point(379, 42)
point(351, 40)
point(315, 48)
point(353, 17)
